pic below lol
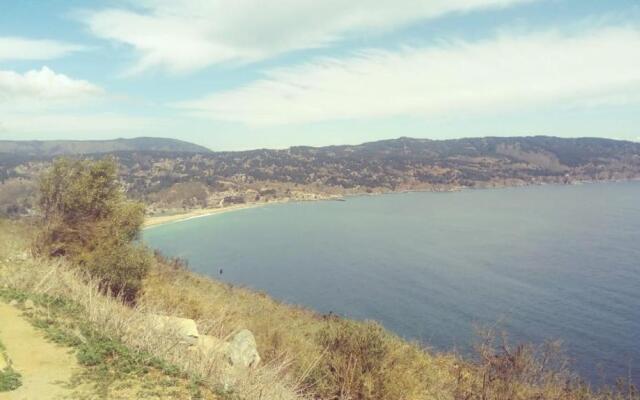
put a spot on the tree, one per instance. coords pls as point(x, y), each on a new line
point(86, 217)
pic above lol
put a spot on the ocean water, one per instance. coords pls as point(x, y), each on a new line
point(541, 263)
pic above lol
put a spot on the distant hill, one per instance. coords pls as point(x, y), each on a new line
point(50, 148)
point(388, 165)
point(176, 175)
point(544, 151)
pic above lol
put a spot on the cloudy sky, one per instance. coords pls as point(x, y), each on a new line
point(240, 74)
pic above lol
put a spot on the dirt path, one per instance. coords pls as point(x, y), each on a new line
point(44, 366)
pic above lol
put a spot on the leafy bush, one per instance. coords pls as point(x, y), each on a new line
point(86, 217)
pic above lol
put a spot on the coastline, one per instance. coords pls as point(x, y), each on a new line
point(154, 221)
point(275, 216)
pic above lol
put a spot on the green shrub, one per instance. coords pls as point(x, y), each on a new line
point(86, 217)
point(121, 266)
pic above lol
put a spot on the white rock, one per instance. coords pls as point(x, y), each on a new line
point(13, 303)
point(243, 350)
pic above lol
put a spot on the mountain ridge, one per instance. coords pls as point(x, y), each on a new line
point(52, 148)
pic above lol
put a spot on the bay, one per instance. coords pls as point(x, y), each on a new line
point(540, 262)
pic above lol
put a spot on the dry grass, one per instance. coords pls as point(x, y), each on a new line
point(133, 326)
point(527, 372)
point(330, 356)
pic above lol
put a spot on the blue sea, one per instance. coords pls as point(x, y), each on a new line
point(540, 262)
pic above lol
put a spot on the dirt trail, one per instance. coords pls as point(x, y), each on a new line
point(44, 366)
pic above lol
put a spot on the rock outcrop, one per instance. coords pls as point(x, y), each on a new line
point(241, 352)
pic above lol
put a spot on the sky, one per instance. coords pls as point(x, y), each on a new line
point(245, 74)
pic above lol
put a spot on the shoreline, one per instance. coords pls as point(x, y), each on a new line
point(154, 221)
point(157, 220)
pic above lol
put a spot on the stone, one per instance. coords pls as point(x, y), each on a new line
point(184, 328)
point(13, 303)
point(29, 304)
point(243, 350)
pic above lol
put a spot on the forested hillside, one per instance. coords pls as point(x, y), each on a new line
point(185, 179)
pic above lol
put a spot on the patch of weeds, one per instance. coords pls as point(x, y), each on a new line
point(107, 359)
point(55, 333)
point(8, 294)
point(121, 360)
point(9, 380)
point(98, 350)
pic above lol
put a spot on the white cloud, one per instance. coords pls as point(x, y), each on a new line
point(15, 48)
point(192, 34)
point(456, 78)
point(44, 103)
point(43, 86)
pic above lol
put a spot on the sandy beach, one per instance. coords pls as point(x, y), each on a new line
point(151, 221)
point(198, 213)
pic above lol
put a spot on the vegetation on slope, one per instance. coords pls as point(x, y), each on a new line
point(123, 354)
point(85, 217)
point(105, 367)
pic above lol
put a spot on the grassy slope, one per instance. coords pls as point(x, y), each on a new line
point(125, 356)
point(294, 333)
point(109, 369)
